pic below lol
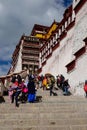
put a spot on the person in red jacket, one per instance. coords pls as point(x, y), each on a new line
point(85, 88)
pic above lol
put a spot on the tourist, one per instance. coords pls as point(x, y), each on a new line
point(16, 91)
point(44, 82)
point(40, 78)
point(19, 79)
point(85, 88)
point(66, 86)
point(51, 84)
point(13, 78)
point(58, 81)
point(10, 92)
point(31, 89)
point(24, 91)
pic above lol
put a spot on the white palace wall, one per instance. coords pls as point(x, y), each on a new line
point(18, 66)
point(79, 74)
point(60, 57)
point(64, 54)
point(80, 31)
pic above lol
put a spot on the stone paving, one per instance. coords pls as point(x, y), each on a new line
point(53, 113)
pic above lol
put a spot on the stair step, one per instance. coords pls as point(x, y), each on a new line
point(53, 113)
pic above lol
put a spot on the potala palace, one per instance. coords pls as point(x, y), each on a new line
point(60, 48)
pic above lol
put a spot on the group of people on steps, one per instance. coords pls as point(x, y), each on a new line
point(28, 88)
point(48, 82)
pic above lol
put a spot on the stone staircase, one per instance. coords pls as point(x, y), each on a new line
point(53, 113)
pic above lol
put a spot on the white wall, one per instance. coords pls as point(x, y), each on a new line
point(18, 67)
point(64, 54)
point(60, 57)
point(80, 32)
point(78, 76)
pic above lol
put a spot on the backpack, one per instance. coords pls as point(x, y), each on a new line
point(85, 88)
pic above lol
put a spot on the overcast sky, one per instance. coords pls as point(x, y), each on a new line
point(18, 17)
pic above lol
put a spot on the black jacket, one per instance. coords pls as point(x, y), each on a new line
point(31, 87)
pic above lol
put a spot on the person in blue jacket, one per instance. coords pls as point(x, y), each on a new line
point(31, 89)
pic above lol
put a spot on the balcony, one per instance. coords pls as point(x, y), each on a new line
point(31, 45)
point(31, 58)
point(30, 63)
point(30, 51)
